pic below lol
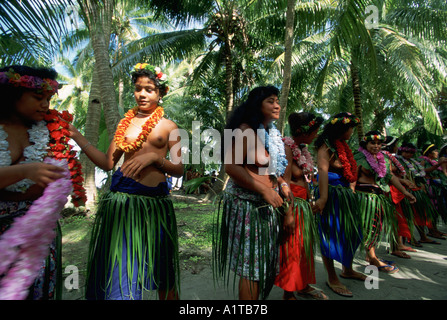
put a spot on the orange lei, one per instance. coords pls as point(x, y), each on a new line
point(147, 127)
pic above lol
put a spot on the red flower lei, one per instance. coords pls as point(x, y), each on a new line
point(150, 123)
point(59, 148)
point(347, 160)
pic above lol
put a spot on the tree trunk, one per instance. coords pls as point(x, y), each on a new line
point(357, 99)
point(91, 132)
point(287, 76)
point(100, 17)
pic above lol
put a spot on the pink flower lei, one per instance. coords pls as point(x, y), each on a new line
point(25, 244)
point(377, 164)
point(396, 163)
point(302, 156)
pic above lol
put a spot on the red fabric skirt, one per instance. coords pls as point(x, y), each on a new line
point(296, 269)
point(397, 197)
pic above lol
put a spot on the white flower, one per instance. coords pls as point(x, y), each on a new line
point(157, 70)
point(164, 77)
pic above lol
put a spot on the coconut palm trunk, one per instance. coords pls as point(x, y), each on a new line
point(356, 90)
point(288, 43)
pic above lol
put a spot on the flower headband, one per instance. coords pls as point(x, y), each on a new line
point(374, 137)
point(155, 70)
point(346, 120)
point(407, 149)
point(307, 127)
point(31, 82)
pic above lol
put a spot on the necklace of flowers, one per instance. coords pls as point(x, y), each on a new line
point(275, 147)
point(377, 164)
point(147, 127)
point(419, 172)
point(395, 162)
point(25, 244)
point(35, 152)
point(60, 148)
point(347, 160)
point(431, 161)
point(302, 156)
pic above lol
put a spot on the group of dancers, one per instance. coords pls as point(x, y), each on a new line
point(269, 219)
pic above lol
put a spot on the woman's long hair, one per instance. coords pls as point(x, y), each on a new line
point(333, 131)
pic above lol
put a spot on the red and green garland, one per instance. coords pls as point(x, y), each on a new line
point(59, 148)
point(347, 160)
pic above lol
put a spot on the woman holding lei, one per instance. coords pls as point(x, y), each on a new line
point(248, 221)
point(25, 174)
point(404, 210)
point(134, 243)
point(437, 185)
point(423, 209)
point(338, 220)
point(373, 186)
point(297, 269)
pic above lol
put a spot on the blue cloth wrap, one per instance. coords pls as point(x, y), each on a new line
point(103, 291)
point(338, 247)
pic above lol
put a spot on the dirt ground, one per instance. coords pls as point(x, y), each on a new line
point(423, 277)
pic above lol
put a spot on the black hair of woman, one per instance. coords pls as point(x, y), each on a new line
point(336, 127)
point(369, 136)
point(162, 87)
point(303, 123)
point(390, 143)
point(249, 111)
point(11, 93)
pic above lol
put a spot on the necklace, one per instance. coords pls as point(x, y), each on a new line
point(347, 160)
point(417, 170)
point(275, 147)
point(302, 156)
point(395, 162)
point(378, 164)
point(147, 127)
point(431, 161)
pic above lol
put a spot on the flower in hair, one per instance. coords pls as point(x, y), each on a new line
point(30, 82)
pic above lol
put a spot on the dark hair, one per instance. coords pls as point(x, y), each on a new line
point(389, 144)
point(10, 94)
point(250, 111)
point(162, 87)
point(405, 147)
point(333, 131)
point(302, 119)
point(428, 148)
point(363, 143)
point(443, 151)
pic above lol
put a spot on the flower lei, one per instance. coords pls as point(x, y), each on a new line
point(377, 164)
point(396, 163)
point(346, 120)
point(347, 160)
point(25, 244)
point(431, 161)
point(275, 147)
point(419, 172)
point(59, 148)
point(30, 82)
point(147, 127)
point(302, 156)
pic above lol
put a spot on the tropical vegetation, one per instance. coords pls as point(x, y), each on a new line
point(384, 60)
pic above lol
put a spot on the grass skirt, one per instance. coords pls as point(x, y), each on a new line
point(245, 239)
point(134, 246)
point(339, 224)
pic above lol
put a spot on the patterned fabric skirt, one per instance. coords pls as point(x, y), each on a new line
point(48, 283)
point(134, 245)
point(339, 225)
point(297, 268)
point(246, 238)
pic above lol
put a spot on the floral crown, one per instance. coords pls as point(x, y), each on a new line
point(407, 149)
point(314, 122)
point(374, 137)
point(347, 119)
point(155, 70)
point(31, 82)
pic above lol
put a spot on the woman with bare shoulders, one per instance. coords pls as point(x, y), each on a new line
point(297, 269)
point(338, 220)
point(247, 239)
point(373, 186)
point(134, 241)
point(24, 145)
